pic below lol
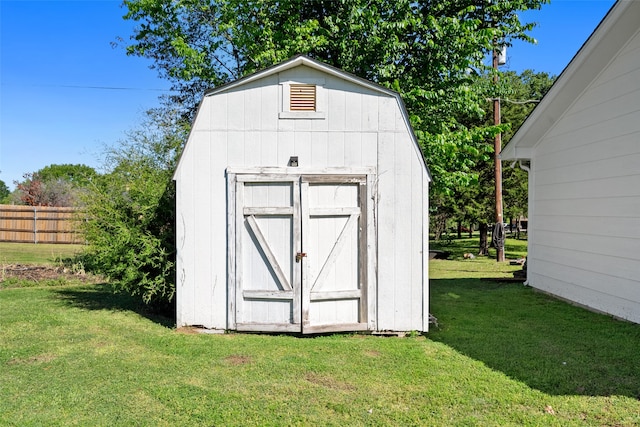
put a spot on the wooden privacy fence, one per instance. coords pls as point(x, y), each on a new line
point(38, 224)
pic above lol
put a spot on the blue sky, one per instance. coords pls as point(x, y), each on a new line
point(66, 93)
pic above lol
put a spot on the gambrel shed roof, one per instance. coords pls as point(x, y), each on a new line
point(320, 66)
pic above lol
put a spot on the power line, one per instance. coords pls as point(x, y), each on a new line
point(101, 87)
point(511, 101)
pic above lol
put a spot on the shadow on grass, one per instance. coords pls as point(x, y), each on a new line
point(102, 297)
point(531, 337)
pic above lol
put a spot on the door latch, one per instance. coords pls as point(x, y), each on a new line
point(300, 255)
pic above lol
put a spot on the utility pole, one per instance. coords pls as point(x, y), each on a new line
point(497, 162)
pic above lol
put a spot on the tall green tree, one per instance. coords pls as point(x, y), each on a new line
point(77, 174)
point(4, 191)
point(53, 185)
point(475, 205)
point(423, 49)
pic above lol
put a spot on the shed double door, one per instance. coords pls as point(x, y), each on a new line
point(300, 255)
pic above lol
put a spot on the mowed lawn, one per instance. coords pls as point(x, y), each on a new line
point(41, 253)
point(502, 354)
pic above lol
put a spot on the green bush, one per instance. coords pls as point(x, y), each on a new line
point(130, 212)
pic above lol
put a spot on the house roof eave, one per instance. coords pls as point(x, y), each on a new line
point(611, 35)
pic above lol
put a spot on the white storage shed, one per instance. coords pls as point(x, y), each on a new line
point(583, 145)
point(302, 206)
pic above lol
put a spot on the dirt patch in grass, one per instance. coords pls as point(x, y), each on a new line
point(372, 353)
point(42, 358)
point(237, 359)
point(187, 330)
point(15, 275)
point(328, 382)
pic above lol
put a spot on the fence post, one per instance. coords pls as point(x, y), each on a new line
point(35, 224)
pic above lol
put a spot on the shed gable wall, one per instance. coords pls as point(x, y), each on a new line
point(241, 128)
point(585, 242)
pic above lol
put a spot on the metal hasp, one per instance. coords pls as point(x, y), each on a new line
point(300, 255)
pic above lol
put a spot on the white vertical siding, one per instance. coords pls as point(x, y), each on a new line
point(387, 242)
point(405, 308)
point(425, 251)
point(362, 128)
point(402, 280)
point(217, 218)
point(586, 195)
point(185, 259)
point(202, 219)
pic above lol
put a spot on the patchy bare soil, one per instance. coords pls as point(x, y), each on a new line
point(42, 273)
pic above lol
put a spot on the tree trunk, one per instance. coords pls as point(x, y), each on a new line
point(484, 241)
point(439, 225)
point(470, 231)
point(459, 230)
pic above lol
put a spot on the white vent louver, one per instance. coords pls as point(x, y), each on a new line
point(302, 97)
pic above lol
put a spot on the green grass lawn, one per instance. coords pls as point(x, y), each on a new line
point(41, 253)
point(502, 355)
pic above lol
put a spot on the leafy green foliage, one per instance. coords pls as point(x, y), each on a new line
point(53, 185)
point(423, 49)
point(130, 211)
point(473, 204)
point(79, 175)
point(4, 191)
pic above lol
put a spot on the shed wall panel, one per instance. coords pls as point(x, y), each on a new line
point(186, 256)
point(337, 113)
point(401, 227)
point(202, 217)
point(217, 244)
point(386, 233)
point(269, 149)
point(252, 148)
point(353, 148)
point(285, 147)
point(336, 149)
point(425, 252)
point(216, 112)
point(240, 128)
point(404, 309)
point(369, 148)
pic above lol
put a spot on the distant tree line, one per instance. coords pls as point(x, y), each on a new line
point(53, 185)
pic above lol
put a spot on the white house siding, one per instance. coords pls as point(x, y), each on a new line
point(585, 241)
point(240, 128)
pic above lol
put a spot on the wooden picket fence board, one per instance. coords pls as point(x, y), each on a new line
point(38, 224)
